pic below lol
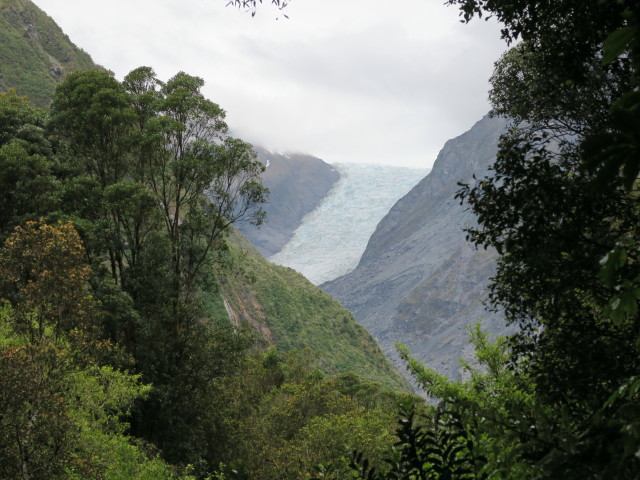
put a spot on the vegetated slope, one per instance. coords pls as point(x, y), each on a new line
point(290, 312)
point(297, 184)
point(419, 282)
point(35, 54)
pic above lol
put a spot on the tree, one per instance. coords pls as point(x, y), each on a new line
point(61, 405)
point(185, 153)
point(28, 187)
point(443, 450)
point(154, 149)
point(91, 113)
point(283, 418)
point(45, 277)
point(252, 5)
point(154, 181)
point(485, 426)
point(61, 413)
point(35, 432)
point(562, 211)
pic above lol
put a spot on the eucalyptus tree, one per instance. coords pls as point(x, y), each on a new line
point(165, 182)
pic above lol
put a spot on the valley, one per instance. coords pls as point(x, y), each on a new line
point(419, 282)
point(181, 303)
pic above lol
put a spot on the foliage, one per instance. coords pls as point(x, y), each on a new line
point(562, 210)
point(558, 399)
point(496, 407)
point(122, 195)
point(443, 450)
point(45, 277)
point(161, 144)
point(91, 113)
point(61, 407)
point(292, 418)
point(152, 182)
point(36, 435)
point(292, 313)
point(488, 425)
point(35, 54)
point(27, 185)
point(147, 152)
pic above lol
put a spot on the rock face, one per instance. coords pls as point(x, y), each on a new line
point(297, 184)
point(419, 282)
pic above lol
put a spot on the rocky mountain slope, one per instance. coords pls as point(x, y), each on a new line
point(419, 282)
point(297, 184)
point(35, 54)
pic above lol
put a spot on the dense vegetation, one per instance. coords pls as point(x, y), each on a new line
point(118, 357)
point(292, 313)
point(120, 273)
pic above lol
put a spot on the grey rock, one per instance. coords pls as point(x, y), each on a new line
point(419, 281)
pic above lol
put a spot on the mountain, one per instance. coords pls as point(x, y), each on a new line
point(288, 311)
point(419, 282)
point(35, 54)
point(297, 184)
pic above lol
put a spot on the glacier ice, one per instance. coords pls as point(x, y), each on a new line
point(330, 240)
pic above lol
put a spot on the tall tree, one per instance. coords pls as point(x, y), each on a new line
point(185, 152)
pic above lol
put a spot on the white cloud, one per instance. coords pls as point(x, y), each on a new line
point(365, 80)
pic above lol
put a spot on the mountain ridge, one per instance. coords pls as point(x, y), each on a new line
point(418, 260)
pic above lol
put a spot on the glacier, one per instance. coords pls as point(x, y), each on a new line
point(331, 239)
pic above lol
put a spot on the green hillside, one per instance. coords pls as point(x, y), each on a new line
point(35, 54)
point(292, 313)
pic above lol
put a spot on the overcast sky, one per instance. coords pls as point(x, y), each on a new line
point(377, 81)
